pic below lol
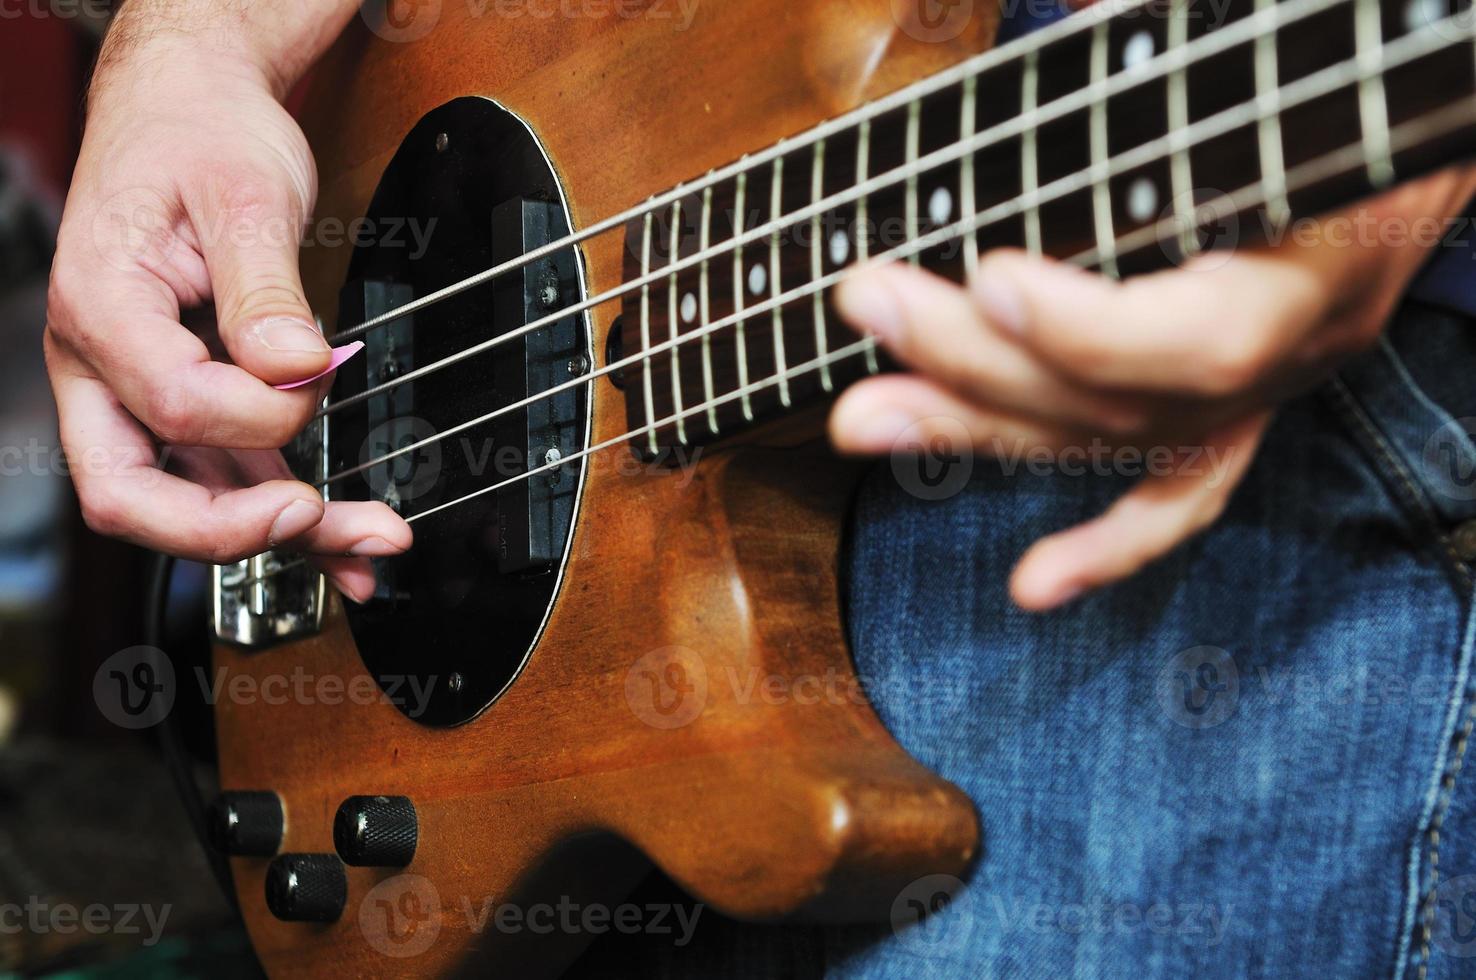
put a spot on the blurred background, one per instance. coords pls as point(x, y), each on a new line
point(101, 873)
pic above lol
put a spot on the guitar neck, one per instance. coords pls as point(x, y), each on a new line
point(1123, 142)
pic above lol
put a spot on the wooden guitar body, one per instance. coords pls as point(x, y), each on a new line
point(691, 700)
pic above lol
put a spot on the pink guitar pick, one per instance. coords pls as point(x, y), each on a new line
point(340, 354)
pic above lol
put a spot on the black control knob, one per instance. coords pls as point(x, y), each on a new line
point(247, 823)
point(306, 887)
point(376, 831)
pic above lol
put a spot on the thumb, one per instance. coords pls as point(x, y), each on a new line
point(251, 254)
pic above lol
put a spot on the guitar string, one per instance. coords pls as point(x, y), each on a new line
point(1347, 158)
point(1304, 90)
point(921, 89)
point(1264, 22)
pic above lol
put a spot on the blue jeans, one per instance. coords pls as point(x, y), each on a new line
point(1245, 762)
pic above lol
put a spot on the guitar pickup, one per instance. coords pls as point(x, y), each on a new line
point(532, 525)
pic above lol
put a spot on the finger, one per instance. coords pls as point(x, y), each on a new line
point(1204, 329)
point(352, 577)
point(251, 252)
point(939, 329)
point(123, 495)
point(1152, 519)
point(885, 414)
point(127, 330)
point(361, 528)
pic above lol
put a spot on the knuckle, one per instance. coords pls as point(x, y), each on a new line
point(1232, 364)
point(270, 294)
point(102, 511)
point(174, 416)
point(60, 290)
point(248, 194)
point(286, 428)
point(1210, 510)
point(221, 551)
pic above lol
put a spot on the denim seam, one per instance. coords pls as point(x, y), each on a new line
point(1402, 373)
point(1448, 764)
point(1406, 487)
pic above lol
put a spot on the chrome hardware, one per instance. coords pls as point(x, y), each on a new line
point(274, 597)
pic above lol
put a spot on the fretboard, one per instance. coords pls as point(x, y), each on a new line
point(1123, 142)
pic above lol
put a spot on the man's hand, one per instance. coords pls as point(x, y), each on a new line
point(1042, 354)
point(191, 191)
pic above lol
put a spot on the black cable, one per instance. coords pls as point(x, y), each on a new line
point(171, 741)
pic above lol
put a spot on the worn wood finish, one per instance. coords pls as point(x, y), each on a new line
point(762, 806)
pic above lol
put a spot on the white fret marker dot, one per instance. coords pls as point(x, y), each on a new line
point(1142, 199)
point(1422, 13)
point(840, 248)
point(689, 308)
point(1138, 50)
point(940, 206)
point(758, 280)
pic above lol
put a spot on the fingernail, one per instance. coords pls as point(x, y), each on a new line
point(1000, 303)
point(374, 547)
point(872, 306)
point(295, 518)
point(290, 335)
point(878, 432)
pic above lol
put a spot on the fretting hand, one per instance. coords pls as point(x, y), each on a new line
point(1040, 354)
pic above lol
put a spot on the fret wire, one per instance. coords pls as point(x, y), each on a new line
point(817, 261)
point(1268, 132)
point(672, 322)
point(1303, 90)
point(1029, 155)
point(914, 134)
point(739, 280)
point(704, 309)
point(1373, 106)
point(967, 203)
point(863, 218)
point(1322, 166)
point(1247, 197)
point(646, 327)
point(776, 271)
point(1343, 160)
point(1181, 178)
point(839, 354)
point(978, 63)
point(1101, 190)
point(1289, 11)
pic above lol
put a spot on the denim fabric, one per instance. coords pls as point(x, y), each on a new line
point(1245, 762)
point(1231, 765)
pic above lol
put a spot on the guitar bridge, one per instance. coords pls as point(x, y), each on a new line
point(275, 596)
